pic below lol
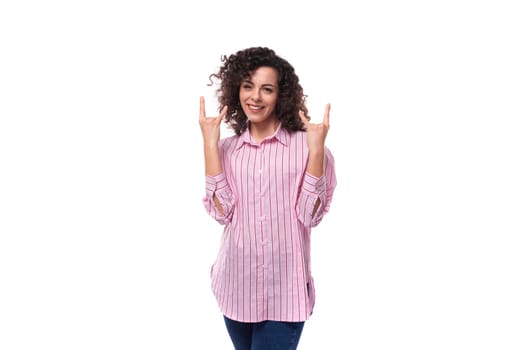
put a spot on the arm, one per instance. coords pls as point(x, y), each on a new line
point(319, 180)
point(213, 167)
point(219, 201)
point(315, 195)
point(315, 169)
point(218, 193)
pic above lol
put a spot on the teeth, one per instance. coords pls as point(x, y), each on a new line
point(255, 107)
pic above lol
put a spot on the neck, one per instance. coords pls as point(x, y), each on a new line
point(260, 131)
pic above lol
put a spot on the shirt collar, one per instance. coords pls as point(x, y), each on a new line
point(280, 135)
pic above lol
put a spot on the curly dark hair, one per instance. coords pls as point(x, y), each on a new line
point(241, 65)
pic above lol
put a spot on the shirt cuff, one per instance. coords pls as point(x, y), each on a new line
point(216, 183)
point(314, 184)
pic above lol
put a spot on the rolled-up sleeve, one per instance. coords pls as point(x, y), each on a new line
point(218, 186)
point(316, 189)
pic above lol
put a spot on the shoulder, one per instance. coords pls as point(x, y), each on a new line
point(229, 141)
point(297, 136)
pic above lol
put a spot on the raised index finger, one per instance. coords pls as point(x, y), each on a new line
point(326, 119)
point(202, 111)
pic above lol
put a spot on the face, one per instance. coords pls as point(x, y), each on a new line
point(258, 95)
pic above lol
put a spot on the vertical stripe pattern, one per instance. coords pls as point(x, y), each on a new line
point(262, 271)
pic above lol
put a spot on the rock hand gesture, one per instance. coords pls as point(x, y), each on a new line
point(315, 139)
point(211, 128)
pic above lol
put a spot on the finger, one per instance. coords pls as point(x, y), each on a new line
point(303, 118)
point(202, 111)
point(222, 114)
point(326, 119)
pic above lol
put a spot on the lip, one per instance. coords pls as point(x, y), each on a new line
point(255, 108)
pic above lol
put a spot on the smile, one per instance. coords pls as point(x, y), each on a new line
point(255, 107)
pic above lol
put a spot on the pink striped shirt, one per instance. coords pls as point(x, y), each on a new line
point(262, 271)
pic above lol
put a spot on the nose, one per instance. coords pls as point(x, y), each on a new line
point(256, 95)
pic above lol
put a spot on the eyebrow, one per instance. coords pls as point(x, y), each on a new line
point(263, 85)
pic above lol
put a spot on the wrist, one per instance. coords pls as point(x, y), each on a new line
point(316, 151)
point(211, 145)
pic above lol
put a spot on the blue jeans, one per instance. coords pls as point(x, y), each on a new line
point(266, 335)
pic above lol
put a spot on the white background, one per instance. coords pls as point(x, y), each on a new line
point(105, 244)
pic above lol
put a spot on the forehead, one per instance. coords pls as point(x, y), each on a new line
point(264, 75)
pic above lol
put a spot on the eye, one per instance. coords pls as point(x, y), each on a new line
point(246, 86)
point(268, 90)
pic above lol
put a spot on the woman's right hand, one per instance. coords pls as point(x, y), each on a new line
point(210, 126)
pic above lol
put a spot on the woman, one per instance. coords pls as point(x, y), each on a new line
point(269, 184)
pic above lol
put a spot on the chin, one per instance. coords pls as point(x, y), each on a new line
point(256, 120)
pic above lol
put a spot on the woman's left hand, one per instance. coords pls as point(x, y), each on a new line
point(316, 133)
